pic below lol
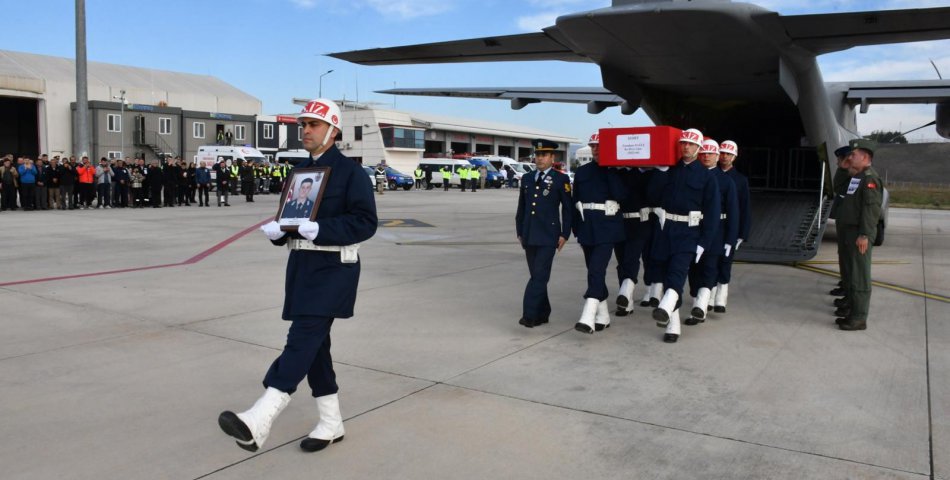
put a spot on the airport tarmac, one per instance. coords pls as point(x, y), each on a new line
point(126, 332)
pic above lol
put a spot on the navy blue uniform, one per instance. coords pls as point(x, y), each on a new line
point(318, 286)
point(655, 181)
point(597, 233)
point(706, 272)
point(539, 225)
point(744, 224)
point(690, 188)
point(637, 227)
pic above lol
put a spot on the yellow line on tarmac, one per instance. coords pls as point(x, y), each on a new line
point(889, 286)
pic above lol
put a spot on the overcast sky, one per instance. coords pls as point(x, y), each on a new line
point(273, 50)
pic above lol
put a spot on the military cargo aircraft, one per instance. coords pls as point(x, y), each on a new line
point(735, 71)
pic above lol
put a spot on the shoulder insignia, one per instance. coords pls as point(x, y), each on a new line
point(567, 187)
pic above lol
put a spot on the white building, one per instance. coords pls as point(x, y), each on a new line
point(372, 134)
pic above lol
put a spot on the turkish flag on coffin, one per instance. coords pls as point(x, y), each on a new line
point(639, 146)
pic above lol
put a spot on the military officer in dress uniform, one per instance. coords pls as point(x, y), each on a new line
point(301, 206)
point(840, 184)
point(598, 226)
point(323, 272)
point(858, 216)
point(703, 274)
point(690, 210)
point(728, 152)
point(543, 225)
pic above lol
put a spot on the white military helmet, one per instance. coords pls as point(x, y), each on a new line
point(594, 139)
point(325, 110)
point(692, 136)
point(729, 147)
point(709, 146)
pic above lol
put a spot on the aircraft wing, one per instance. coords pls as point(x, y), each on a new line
point(825, 33)
point(897, 92)
point(528, 46)
point(596, 98)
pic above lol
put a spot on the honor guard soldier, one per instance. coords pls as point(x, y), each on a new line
point(858, 216)
point(728, 152)
point(840, 184)
point(543, 225)
point(689, 217)
point(703, 274)
point(323, 272)
point(655, 180)
point(637, 229)
point(598, 226)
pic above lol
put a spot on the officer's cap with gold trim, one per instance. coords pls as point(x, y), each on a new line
point(863, 144)
point(542, 145)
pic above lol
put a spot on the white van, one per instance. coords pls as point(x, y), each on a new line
point(436, 164)
point(210, 154)
point(292, 156)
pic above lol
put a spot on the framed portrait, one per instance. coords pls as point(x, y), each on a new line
point(301, 197)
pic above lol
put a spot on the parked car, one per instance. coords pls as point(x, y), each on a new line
point(396, 179)
point(372, 175)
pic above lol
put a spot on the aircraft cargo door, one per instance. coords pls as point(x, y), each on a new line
point(19, 127)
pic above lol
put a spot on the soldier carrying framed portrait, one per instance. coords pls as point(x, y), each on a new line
point(301, 197)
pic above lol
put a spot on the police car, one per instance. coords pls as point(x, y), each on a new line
point(396, 179)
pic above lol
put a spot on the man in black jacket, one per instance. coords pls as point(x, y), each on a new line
point(170, 180)
point(155, 179)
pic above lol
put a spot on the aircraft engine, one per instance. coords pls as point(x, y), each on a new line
point(943, 119)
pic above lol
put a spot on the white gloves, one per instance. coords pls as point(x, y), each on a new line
point(699, 252)
point(611, 207)
point(662, 169)
point(728, 249)
point(738, 242)
point(272, 231)
point(660, 215)
point(308, 230)
point(580, 208)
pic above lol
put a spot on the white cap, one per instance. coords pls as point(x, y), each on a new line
point(729, 147)
point(323, 109)
point(692, 136)
point(709, 146)
point(594, 139)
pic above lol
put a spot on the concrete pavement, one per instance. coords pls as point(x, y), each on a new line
point(122, 375)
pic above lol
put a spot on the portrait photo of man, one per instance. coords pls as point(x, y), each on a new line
point(301, 198)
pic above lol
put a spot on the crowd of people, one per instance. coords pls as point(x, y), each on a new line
point(65, 183)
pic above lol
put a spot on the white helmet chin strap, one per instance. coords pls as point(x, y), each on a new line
point(327, 137)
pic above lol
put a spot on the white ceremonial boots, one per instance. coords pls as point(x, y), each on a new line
point(722, 295)
point(673, 329)
point(665, 309)
point(586, 322)
point(252, 427)
point(625, 298)
point(330, 427)
point(700, 306)
point(656, 294)
point(602, 319)
point(645, 302)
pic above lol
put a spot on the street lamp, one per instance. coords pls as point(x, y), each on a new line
point(121, 99)
point(321, 82)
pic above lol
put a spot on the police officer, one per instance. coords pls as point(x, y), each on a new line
point(858, 216)
point(446, 178)
point(381, 181)
point(463, 178)
point(690, 209)
point(728, 152)
point(703, 274)
point(419, 175)
point(840, 184)
point(598, 226)
point(542, 230)
point(324, 249)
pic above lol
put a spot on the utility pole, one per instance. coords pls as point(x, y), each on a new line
point(81, 140)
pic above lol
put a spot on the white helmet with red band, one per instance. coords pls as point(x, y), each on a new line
point(594, 139)
point(692, 136)
point(709, 146)
point(323, 109)
point(729, 147)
